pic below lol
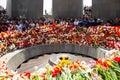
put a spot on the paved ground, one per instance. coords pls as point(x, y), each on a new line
point(42, 61)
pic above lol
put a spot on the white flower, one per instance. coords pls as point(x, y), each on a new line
point(83, 63)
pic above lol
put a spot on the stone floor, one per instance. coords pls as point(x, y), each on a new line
point(43, 60)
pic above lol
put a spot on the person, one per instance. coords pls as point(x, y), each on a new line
point(32, 24)
point(46, 12)
point(110, 22)
point(24, 25)
point(117, 21)
point(19, 26)
point(76, 22)
point(10, 26)
point(84, 22)
point(39, 23)
point(91, 21)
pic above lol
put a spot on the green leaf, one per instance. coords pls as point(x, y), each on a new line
point(48, 74)
point(113, 74)
point(59, 78)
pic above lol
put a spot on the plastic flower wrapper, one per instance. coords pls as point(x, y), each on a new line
point(112, 53)
point(92, 63)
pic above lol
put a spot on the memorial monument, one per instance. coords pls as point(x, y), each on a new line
point(28, 8)
point(34, 8)
point(106, 9)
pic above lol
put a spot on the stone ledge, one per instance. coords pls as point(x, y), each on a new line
point(15, 58)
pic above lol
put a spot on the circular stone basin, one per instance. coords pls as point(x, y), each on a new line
point(49, 60)
point(16, 58)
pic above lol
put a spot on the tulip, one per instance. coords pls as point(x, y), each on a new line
point(117, 59)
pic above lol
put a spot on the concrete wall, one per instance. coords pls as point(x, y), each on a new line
point(67, 8)
point(106, 9)
point(29, 8)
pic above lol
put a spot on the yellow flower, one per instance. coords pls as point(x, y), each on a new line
point(59, 66)
point(2, 45)
point(65, 62)
point(109, 62)
point(84, 67)
point(98, 66)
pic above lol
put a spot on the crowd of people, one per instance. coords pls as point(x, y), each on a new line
point(22, 23)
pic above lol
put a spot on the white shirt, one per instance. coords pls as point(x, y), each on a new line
point(19, 27)
point(76, 23)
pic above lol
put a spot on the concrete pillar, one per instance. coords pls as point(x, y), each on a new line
point(29, 8)
point(106, 9)
point(9, 8)
point(67, 8)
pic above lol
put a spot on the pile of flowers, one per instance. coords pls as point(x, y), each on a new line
point(108, 37)
point(101, 69)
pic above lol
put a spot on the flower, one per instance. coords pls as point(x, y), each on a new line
point(105, 63)
point(64, 61)
point(54, 34)
point(25, 74)
point(117, 59)
point(55, 71)
point(104, 69)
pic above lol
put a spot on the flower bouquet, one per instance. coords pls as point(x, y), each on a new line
point(109, 68)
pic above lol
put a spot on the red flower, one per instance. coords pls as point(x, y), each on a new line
point(117, 59)
point(105, 63)
point(27, 74)
point(25, 43)
point(55, 71)
point(118, 33)
point(106, 35)
point(54, 25)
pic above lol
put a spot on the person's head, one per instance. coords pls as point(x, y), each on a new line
point(116, 18)
point(76, 19)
